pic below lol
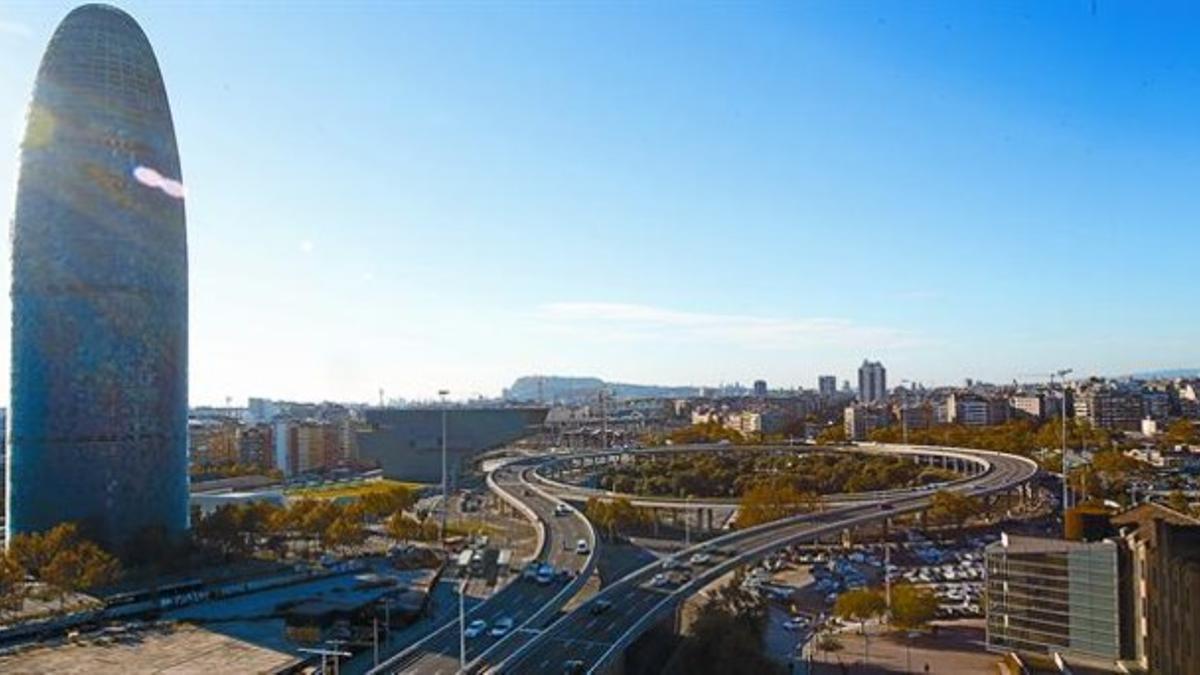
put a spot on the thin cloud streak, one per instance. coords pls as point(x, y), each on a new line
point(15, 28)
point(627, 322)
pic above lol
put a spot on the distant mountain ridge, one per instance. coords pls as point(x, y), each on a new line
point(1167, 374)
point(553, 388)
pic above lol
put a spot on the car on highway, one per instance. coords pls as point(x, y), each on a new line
point(671, 564)
point(795, 623)
point(565, 575)
point(475, 628)
point(659, 580)
point(530, 572)
point(886, 507)
point(545, 574)
point(561, 510)
point(700, 559)
point(581, 547)
point(599, 607)
point(502, 626)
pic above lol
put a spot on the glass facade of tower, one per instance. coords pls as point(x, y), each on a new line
point(98, 422)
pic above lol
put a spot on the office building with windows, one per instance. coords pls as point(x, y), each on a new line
point(1055, 597)
point(99, 292)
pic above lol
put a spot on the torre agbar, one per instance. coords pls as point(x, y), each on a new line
point(98, 419)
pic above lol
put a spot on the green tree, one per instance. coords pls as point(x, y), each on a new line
point(767, 502)
point(1179, 502)
point(222, 529)
point(726, 638)
point(948, 507)
point(12, 585)
point(912, 606)
point(344, 533)
point(380, 504)
point(34, 551)
point(860, 605)
point(1181, 432)
point(79, 567)
point(402, 527)
point(833, 434)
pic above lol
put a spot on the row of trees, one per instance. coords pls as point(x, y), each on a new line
point(238, 529)
point(217, 471)
point(613, 516)
point(768, 501)
point(708, 432)
point(61, 559)
point(1022, 437)
point(734, 473)
point(948, 507)
point(912, 606)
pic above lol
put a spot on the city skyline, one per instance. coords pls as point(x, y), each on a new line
point(497, 193)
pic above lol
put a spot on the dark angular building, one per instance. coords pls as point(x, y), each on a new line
point(407, 443)
point(98, 421)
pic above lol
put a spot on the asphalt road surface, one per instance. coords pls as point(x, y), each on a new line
point(439, 652)
point(587, 636)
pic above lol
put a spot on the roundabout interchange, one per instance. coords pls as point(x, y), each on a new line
point(545, 639)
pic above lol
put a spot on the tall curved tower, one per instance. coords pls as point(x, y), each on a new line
point(98, 419)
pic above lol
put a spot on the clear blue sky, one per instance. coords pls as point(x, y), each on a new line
point(454, 194)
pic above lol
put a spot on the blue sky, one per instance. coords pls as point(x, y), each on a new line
point(428, 195)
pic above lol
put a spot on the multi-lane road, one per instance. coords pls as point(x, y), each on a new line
point(519, 601)
point(545, 641)
point(593, 640)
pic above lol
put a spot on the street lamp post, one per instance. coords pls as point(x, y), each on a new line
point(462, 626)
point(442, 393)
point(904, 411)
point(1066, 486)
point(887, 563)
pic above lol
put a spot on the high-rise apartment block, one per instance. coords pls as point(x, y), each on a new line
point(827, 385)
point(872, 382)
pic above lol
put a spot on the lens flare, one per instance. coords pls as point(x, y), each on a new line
point(151, 178)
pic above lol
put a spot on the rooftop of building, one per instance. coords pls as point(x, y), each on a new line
point(1144, 514)
point(1018, 543)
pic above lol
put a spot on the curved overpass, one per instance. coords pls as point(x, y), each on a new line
point(963, 461)
point(598, 640)
point(528, 604)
